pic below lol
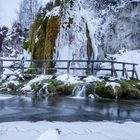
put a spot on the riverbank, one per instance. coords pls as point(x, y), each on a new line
point(69, 131)
point(92, 87)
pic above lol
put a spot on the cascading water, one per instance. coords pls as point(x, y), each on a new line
point(79, 91)
point(84, 91)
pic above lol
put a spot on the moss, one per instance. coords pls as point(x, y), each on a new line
point(52, 30)
point(31, 71)
point(89, 43)
point(42, 40)
point(26, 45)
point(34, 31)
point(103, 91)
point(129, 90)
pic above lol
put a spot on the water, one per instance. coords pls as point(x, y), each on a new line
point(79, 91)
point(68, 109)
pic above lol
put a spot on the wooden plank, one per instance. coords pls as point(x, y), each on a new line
point(95, 61)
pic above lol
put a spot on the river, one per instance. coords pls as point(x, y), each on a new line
point(68, 109)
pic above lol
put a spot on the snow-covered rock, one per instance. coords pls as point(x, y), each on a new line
point(50, 134)
point(68, 79)
point(112, 84)
point(91, 79)
point(28, 86)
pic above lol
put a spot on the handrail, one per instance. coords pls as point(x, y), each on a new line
point(43, 60)
point(68, 67)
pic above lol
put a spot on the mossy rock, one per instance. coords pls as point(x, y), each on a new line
point(129, 90)
point(103, 91)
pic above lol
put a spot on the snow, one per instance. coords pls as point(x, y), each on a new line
point(91, 79)
point(50, 135)
point(54, 12)
point(8, 11)
point(68, 79)
point(44, 2)
point(132, 56)
point(129, 56)
point(39, 78)
point(112, 84)
point(70, 131)
point(16, 83)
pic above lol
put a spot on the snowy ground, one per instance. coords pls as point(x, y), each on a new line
point(69, 131)
point(123, 56)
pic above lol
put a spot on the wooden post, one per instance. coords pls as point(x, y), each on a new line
point(123, 70)
point(92, 68)
point(126, 74)
point(135, 72)
point(112, 73)
point(22, 67)
point(68, 67)
point(1, 68)
point(44, 67)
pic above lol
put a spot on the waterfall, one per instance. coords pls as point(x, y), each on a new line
point(79, 91)
point(85, 91)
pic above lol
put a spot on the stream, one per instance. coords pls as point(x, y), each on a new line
point(68, 109)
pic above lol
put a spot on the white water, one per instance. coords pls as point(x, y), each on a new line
point(79, 91)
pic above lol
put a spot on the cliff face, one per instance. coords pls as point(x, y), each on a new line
point(81, 29)
point(12, 41)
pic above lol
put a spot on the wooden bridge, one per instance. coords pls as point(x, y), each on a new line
point(91, 67)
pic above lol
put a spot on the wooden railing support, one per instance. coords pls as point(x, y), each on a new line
point(126, 73)
point(68, 67)
point(1, 68)
point(123, 70)
point(135, 72)
point(22, 67)
point(92, 68)
point(113, 71)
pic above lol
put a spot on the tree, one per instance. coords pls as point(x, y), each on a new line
point(27, 12)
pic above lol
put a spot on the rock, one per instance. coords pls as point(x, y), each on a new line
point(50, 134)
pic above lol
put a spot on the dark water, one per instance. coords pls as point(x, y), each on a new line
point(68, 109)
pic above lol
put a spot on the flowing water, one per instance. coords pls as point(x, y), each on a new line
point(68, 109)
point(79, 91)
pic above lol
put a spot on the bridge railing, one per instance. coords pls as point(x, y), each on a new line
point(90, 67)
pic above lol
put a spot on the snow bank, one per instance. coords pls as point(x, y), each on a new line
point(123, 56)
point(112, 84)
point(70, 131)
point(68, 79)
point(50, 134)
point(91, 79)
point(129, 56)
point(39, 78)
